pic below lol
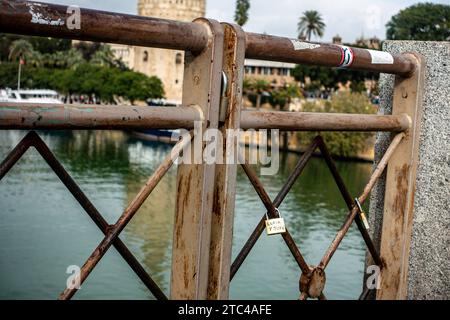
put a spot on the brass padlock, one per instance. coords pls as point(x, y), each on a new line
point(275, 226)
point(362, 215)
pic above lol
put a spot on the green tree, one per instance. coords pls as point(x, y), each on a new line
point(137, 86)
point(8, 75)
point(422, 21)
point(342, 144)
point(104, 56)
point(311, 23)
point(329, 78)
point(42, 45)
point(22, 49)
point(257, 88)
point(88, 49)
point(241, 12)
point(62, 59)
point(319, 76)
point(106, 83)
point(282, 97)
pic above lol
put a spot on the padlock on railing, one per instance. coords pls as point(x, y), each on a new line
point(362, 215)
point(276, 225)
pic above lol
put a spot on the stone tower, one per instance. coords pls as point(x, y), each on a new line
point(168, 65)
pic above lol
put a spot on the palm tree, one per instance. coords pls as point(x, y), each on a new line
point(73, 58)
point(20, 49)
point(23, 51)
point(311, 23)
point(241, 12)
point(63, 59)
point(104, 56)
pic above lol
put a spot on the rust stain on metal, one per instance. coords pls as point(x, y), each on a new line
point(313, 283)
point(402, 177)
point(400, 187)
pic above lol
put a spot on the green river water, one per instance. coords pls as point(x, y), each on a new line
point(43, 229)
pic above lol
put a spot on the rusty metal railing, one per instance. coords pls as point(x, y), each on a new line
point(111, 27)
point(86, 117)
point(201, 259)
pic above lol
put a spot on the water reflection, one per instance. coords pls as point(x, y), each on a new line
point(150, 232)
point(49, 231)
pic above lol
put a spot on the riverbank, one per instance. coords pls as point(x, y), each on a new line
point(296, 146)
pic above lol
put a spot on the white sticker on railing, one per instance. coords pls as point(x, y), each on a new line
point(303, 45)
point(381, 57)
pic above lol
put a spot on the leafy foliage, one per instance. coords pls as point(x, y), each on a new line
point(257, 91)
point(69, 72)
point(282, 96)
point(329, 78)
point(40, 44)
point(422, 21)
point(106, 83)
point(241, 12)
point(342, 144)
point(21, 49)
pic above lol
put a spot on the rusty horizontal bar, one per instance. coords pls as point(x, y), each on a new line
point(268, 47)
point(42, 19)
point(47, 117)
point(51, 20)
point(310, 121)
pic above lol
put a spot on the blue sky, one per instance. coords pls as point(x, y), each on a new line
point(348, 18)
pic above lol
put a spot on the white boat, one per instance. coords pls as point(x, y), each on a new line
point(30, 96)
point(162, 135)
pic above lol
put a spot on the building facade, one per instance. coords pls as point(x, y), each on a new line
point(168, 65)
point(275, 73)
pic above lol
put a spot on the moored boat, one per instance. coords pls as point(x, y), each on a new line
point(30, 96)
point(163, 135)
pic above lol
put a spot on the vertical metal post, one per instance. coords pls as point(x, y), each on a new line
point(195, 182)
point(400, 188)
point(225, 179)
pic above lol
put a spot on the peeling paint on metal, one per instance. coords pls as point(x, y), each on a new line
point(302, 45)
point(39, 17)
